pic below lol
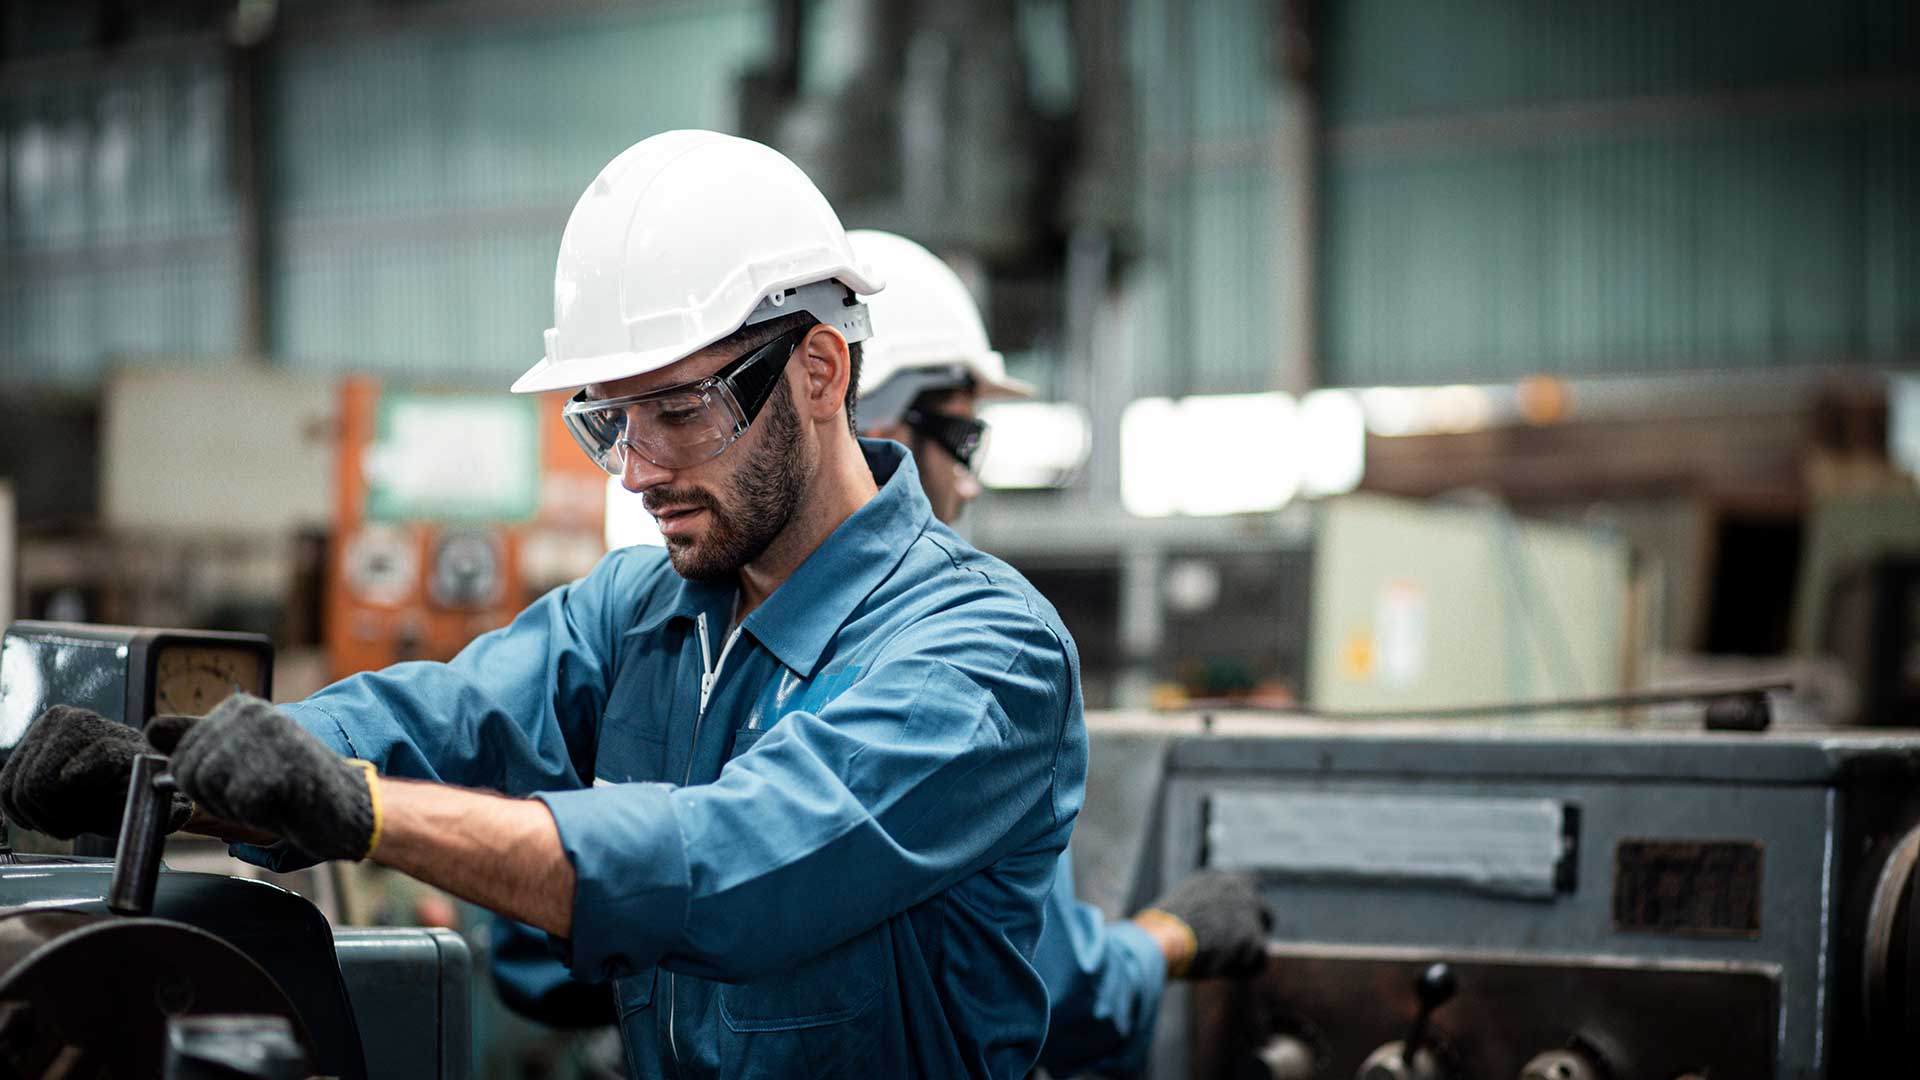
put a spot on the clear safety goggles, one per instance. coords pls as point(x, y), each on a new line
point(681, 426)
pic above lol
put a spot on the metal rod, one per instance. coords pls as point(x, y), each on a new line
point(1700, 695)
point(143, 836)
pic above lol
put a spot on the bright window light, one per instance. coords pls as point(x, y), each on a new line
point(628, 522)
point(1149, 462)
point(1034, 444)
point(1333, 442)
point(1209, 455)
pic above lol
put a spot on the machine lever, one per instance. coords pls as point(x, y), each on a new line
point(143, 836)
point(1434, 988)
point(1412, 1058)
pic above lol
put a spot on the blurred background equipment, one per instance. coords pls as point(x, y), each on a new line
point(9, 570)
point(452, 511)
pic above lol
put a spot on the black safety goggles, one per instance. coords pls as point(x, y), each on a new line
point(958, 435)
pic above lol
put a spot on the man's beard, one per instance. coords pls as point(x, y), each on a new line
point(761, 496)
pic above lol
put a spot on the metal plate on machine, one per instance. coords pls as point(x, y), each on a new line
point(1512, 847)
point(1652, 1019)
point(1687, 887)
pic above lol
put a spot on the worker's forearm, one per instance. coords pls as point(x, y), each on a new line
point(503, 854)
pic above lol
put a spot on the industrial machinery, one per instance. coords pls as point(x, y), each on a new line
point(204, 975)
point(451, 512)
point(1516, 902)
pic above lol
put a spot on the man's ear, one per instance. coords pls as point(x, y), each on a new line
point(826, 365)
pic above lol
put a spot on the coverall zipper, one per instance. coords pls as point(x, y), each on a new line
point(709, 673)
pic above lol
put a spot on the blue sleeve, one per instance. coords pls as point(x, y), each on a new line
point(960, 745)
point(1104, 981)
point(534, 984)
point(516, 711)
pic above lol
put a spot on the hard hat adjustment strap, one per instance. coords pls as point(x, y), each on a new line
point(828, 301)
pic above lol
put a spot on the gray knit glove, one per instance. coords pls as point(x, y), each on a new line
point(250, 764)
point(68, 775)
point(1226, 919)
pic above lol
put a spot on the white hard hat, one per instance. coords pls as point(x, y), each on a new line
point(684, 238)
point(927, 332)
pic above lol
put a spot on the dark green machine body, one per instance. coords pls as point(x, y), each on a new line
point(379, 1004)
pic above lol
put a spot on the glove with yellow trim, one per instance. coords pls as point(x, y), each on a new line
point(250, 764)
point(1222, 919)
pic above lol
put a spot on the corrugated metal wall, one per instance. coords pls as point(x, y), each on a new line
point(1206, 92)
point(1617, 187)
point(116, 229)
point(420, 176)
point(425, 175)
point(1507, 187)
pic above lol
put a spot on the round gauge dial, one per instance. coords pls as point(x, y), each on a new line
point(189, 680)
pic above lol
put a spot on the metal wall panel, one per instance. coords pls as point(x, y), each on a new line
point(1206, 92)
point(1616, 188)
point(1768, 241)
point(116, 235)
point(426, 174)
point(1387, 59)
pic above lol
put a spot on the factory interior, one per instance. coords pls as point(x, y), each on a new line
point(1455, 464)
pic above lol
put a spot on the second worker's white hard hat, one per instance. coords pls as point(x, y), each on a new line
point(684, 238)
point(928, 334)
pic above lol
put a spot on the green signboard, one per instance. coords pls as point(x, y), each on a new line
point(453, 457)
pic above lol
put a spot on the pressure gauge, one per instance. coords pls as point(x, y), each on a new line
point(189, 679)
point(124, 673)
point(467, 571)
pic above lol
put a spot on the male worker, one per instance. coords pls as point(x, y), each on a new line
point(924, 371)
point(802, 777)
point(921, 376)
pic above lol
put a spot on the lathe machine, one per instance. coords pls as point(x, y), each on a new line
point(1510, 902)
point(117, 967)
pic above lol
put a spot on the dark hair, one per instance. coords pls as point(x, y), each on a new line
point(748, 338)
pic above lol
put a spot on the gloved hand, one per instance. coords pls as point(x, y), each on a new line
point(1223, 918)
point(68, 775)
point(250, 764)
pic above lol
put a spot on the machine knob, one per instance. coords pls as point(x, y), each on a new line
point(1569, 1064)
point(1287, 1057)
point(1411, 1058)
point(1389, 1063)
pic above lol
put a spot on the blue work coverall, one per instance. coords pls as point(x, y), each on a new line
point(1104, 983)
point(818, 847)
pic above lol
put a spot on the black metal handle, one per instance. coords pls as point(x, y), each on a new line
point(143, 836)
point(1434, 988)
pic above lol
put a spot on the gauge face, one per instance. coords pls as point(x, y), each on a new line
point(189, 680)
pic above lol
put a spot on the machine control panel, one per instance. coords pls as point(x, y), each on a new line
point(1384, 1014)
point(129, 674)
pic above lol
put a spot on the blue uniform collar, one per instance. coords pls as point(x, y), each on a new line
point(802, 616)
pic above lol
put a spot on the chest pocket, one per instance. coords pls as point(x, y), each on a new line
point(628, 754)
point(631, 746)
point(817, 1018)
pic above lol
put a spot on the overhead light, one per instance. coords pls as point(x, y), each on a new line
point(1459, 409)
point(1431, 410)
point(1209, 455)
point(1035, 444)
point(628, 522)
point(1333, 442)
point(1393, 410)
